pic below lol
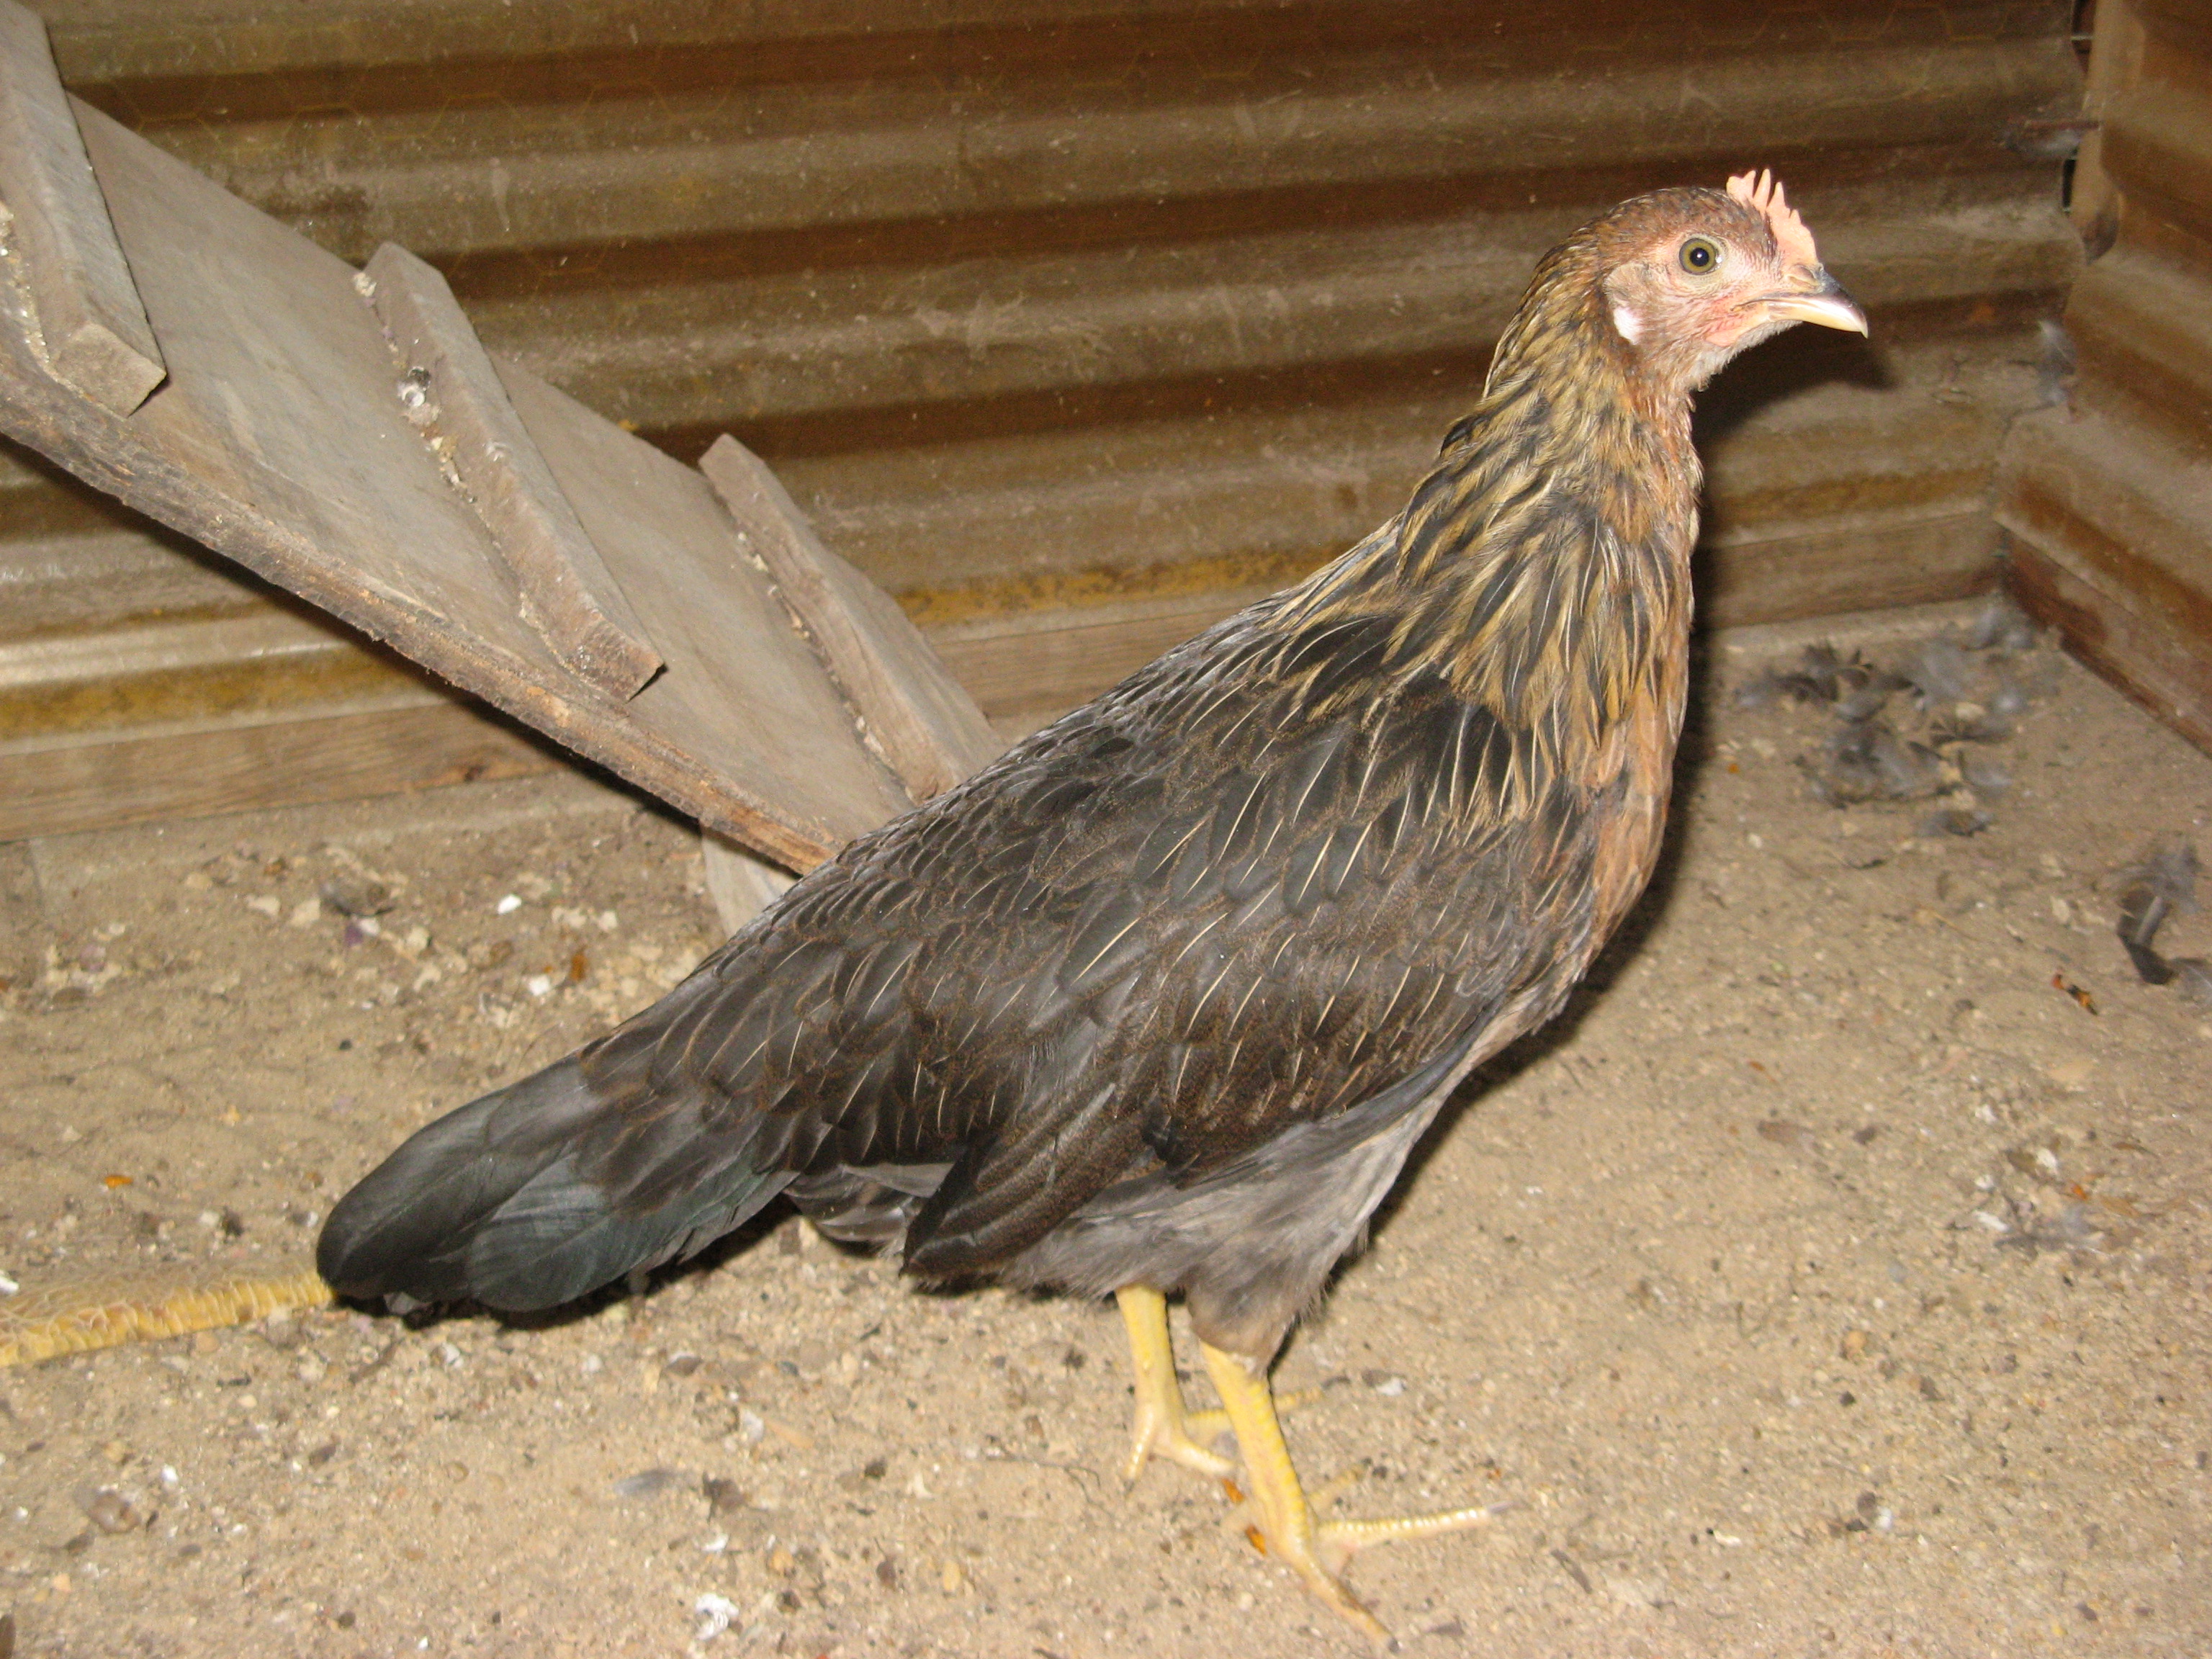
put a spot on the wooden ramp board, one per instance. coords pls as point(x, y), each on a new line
point(456, 398)
point(283, 437)
point(93, 331)
point(926, 725)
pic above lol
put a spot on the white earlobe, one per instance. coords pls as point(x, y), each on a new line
point(1626, 319)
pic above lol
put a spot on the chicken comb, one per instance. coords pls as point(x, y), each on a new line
point(1762, 191)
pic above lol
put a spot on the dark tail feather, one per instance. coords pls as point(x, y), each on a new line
point(543, 1191)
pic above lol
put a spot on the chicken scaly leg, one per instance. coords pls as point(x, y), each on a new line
point(1316, 1552)
point(1163, 1428)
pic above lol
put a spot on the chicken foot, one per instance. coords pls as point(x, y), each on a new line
point(1316, 1552)
point(1165, 1426)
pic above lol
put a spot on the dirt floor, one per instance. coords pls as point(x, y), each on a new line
point(1832, 1281)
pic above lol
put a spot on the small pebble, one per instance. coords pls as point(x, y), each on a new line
point(112, 1512)
point(722, 1495)
point(508, 906)
point(356, 896)
point(714, 1614)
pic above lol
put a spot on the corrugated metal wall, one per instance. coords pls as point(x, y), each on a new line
point(2111, 498)
point(1075, 323)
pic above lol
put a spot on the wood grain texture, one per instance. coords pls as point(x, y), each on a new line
point(898, 252)
point(2166, 669)
point(453, 394)
point(92, 327)
point(752, 699)
point(1037, 307)
point(2113, 501)
point(137, 777)
point(279, 442)
point(926, 724)
point(2108, 496)
point(740, 884)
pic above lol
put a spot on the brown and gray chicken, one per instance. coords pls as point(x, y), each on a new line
point(1156, 1004)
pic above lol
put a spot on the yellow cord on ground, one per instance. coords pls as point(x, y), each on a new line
point(38, 1323)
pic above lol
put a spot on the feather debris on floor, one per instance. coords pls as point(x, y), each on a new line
point(2160, 884)
point(1909, 729)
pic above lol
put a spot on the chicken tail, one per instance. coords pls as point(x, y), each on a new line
point(547, 1188)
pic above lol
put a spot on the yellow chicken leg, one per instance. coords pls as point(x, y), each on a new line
point(1162, 1428)
point(1317, 1552)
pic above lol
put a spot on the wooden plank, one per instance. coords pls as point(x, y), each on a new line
point(740, 884)
point(92, 324)
point(1850, 563)
point(2111, 523)
point(860, 245)
point(56, 788)
point(1031, 663)
point(928, 726)
point(2117, 501)
point(2165, 669)
point(2109, 499)
point(746, 692)
point(452, 395)
point(279, 442)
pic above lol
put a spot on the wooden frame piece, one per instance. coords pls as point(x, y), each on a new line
point(928, 728)
point(281, 441)
point(90, 322)
point(450, 391)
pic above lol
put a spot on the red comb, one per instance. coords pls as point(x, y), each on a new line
point(1762, 192)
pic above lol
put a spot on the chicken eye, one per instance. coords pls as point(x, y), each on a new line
point(1700, 255)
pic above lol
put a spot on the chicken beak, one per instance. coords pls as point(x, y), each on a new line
point(1826, 303)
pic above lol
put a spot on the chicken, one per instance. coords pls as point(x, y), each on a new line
point(1156, 1004)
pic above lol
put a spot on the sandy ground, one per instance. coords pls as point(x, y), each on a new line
point(1830, 1282)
